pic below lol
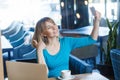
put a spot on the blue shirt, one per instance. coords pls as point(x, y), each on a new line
point(60, 60)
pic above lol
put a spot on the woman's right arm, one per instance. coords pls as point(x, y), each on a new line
point(40, 46)
point(41, 59)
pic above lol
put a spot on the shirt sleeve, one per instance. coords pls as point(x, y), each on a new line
point(81, 42)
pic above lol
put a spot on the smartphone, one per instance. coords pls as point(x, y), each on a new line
point(92, 10)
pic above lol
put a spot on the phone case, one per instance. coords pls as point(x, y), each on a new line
point(92, 10)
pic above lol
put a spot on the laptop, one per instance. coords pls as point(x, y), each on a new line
point(26, 71)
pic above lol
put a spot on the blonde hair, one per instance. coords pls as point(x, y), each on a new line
point(39, 29)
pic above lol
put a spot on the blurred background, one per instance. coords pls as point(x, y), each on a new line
point(69, 14)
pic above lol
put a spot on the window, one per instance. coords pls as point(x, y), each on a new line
point(28, 11)
point(108, 8)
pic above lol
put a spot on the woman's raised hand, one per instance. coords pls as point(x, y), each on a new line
point(95, 30)
point(39, 45)
point(97, 16)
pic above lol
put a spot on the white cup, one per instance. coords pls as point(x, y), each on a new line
point(65, 74)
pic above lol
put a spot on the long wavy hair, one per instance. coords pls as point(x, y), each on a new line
point(40, 28)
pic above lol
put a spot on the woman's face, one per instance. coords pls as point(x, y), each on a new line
point(51, 30)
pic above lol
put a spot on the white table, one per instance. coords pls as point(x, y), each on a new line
point(86, 76)
point(103, 31)
point(90, 76)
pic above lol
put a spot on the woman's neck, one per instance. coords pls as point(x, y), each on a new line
point(53, 42)
point(53, 47)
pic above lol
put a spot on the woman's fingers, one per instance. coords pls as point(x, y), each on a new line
point(35, 43)
point(97, 15)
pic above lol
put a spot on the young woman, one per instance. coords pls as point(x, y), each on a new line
point(54, 51)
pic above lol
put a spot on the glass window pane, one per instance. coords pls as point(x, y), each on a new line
point(28, 11)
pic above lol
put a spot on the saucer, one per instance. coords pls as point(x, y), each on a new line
point(71, 77)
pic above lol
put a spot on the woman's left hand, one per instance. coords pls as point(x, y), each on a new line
point(97, 16)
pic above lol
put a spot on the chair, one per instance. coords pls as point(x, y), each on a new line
point(11, 29)
point(31, 54)
point(76, 65)
point(18, 34)
point(25, 51)
point(87, 54)
point(21, 49)
point(115, 58)
point(19, 41)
